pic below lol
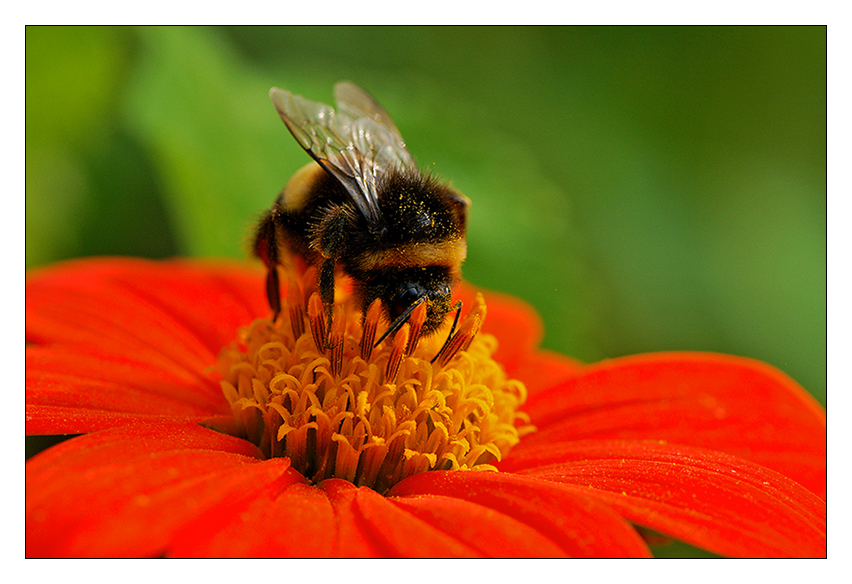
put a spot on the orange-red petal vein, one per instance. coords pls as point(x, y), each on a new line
point(578, 525)
point(487, 531)
point(713, 500)
point(125, 492)
point(725, 403)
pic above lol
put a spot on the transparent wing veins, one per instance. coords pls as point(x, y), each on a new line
point(357, 143)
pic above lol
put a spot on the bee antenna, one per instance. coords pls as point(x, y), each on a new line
point(400, 320)
point(458, 308)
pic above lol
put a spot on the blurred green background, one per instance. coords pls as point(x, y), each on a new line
point(645, 189)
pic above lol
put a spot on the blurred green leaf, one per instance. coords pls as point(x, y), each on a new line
point(88, 189)
point(207, 122)
point(73, 76)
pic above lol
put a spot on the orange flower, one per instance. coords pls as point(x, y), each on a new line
point(199, 440)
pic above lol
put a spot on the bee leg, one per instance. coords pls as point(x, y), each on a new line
point(273, 291)
point(266, 248)
point(330, 240)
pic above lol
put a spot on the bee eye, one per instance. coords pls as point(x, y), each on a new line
point(405, 297)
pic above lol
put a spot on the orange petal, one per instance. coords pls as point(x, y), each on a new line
point(544, 369)
point(514, 322)
point(296, 522)
point(167, 306)
point(712, 500)
point(730, 404)
point(70, 392)
point(577, 525)
point(126, 492)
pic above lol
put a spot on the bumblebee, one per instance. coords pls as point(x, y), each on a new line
point(363, 208)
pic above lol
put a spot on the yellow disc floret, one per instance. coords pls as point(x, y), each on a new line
point(337, 407)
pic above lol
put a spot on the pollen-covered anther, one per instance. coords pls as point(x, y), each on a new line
point(462, 339)
point(371, 323)
point(478, 311)
point(397, 352)
point(417, 319)
point(335, 340)
point(316, 316)
point(296, 304)
point(371, 416)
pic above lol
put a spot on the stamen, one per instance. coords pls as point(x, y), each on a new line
point(316, 316)
point(467, 331)
point(418, 317)
point(400, 341)
point(479, 308)
point(371, 322)
point(308, 280)
point(335, 339)
point(457, 308)
point(375, 419)
point(296, 303)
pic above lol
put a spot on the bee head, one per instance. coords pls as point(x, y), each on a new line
point(437, 297)
point(402, 292)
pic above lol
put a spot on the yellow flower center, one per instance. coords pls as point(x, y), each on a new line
point(337, 407)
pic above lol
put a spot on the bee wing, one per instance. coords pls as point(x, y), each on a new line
point(357, 103)
point(356, 144)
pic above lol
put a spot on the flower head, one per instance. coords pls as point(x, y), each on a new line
point(207, 430)
point(338, 407)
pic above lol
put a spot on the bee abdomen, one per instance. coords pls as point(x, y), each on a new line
point(448, 253)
